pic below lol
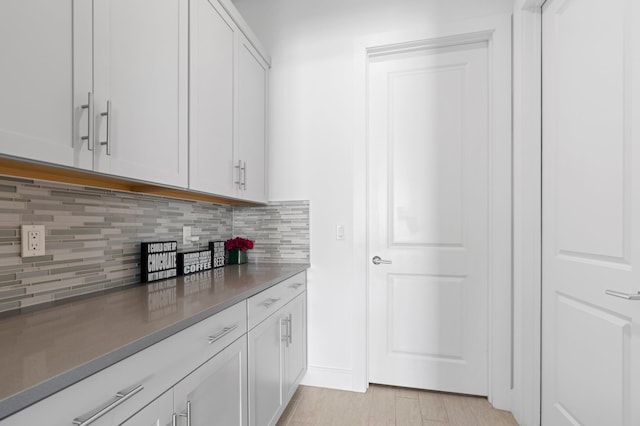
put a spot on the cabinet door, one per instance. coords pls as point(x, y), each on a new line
point(211, 83)
point(265, 370)
point(157, 413)
point(295, 354)
point(216, 393)
point(45, 77)
point(252, 122)
point(140, 76)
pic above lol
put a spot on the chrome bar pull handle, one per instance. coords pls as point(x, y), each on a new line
point(174, 419)
point(107, 114)
point(94, 415)
point(378, 261)
point(89, 107)
point(627, 296)
point(267, 303)
point(244, 175)
point(187, 413)
point(289, 330)
point(296, 286)
point(222, 333)
point(239, 181)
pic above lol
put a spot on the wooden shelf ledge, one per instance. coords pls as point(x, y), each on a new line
point(40, 171)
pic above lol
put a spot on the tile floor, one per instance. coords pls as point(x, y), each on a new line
point(385, 405)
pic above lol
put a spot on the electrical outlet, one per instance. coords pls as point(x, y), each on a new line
point(32, 240)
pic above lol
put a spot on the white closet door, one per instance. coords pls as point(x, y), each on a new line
point(591, 206)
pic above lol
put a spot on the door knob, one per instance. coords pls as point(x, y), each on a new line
point(627, 296)
point(377, 261)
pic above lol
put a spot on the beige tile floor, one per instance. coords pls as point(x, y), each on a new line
point(385, 405)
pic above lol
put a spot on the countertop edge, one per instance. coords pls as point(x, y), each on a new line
point(34, 394)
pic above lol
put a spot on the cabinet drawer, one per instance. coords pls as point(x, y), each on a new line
point(141, 377)
point(270, 300)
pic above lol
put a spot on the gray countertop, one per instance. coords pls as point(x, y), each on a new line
point(47, 349)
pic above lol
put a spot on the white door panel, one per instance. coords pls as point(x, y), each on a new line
point(428, 130)
point(590, 373)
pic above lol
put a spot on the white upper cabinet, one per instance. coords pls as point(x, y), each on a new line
point(251, 122)
point(228, 96)
point(102, 88)
point(211, 79)
point(172, 92)
point(141, 82)
point(41, 117)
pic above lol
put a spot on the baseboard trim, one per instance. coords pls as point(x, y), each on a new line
point(332, 378)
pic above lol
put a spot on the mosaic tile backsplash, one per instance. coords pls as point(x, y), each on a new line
point(93, 236)
point(280, 231)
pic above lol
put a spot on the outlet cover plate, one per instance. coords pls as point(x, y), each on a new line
point(32, 240)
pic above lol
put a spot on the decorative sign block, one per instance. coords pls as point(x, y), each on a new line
point(195, 261)
point(158, 261)
point(217, 247)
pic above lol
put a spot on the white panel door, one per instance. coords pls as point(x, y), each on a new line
point(591, 200)
point(140, 69)
point(428, 195)
point(211, 87)
point(45, 78)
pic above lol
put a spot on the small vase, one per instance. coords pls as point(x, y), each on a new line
point(236, 257)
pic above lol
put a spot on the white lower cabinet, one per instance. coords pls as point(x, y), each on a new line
point(277, 360)
point(212, 373)
point(215, 393)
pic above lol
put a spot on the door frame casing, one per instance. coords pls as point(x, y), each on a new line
point(496, 31)
point(527, 163)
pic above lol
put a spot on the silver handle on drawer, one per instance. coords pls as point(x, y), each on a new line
point(269, 302)
point(89, 107)
point(296, 286)
point(289, 330)
point(222, 333)
point(120, 397)
point(108, 115)
point(187, 413)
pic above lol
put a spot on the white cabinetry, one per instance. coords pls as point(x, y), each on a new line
point(140, 75)
point(213, 370)
point(101, 88)
point(228, 96)
point(277, 349)
point(43, 45)
point(114, 394)
point(211, 80)
point(251, 123)
point(216, 393)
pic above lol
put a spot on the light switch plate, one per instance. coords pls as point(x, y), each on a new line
point(186, 235)
point(32, 240)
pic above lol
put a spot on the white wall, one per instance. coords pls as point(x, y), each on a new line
point(314, 112)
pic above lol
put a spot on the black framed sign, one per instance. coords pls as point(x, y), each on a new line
point(158, 261)
point(195, 261)
point(217, 248)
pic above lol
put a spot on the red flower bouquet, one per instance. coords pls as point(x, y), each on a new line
point(238, 243)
